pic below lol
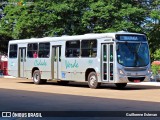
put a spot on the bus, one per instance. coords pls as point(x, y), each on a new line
point(118, 57)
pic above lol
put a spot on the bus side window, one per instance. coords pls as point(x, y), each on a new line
point(44, 50)
point(73, 48)
point(76, 52)
point(13, 51)
point(29, 54)
point(55, 55)
point(32, 50)
point(35, 55)
point(68, 53)
point(89, 48)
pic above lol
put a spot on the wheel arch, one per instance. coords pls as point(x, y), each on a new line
point(35, 68)
point(87, 73)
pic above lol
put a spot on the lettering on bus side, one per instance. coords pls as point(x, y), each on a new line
point(40, 63)
point(90, 61)
point(12, 64)
point(71, 65)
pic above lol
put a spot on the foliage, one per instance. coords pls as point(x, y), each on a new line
point(153, 29)
point(154, 41)
point(155, 67)
point(42, 19)
point(71, 17)
point(4, 42)
point(59, 17)
point(105, 16)
point(29, 21)
point(156, 54)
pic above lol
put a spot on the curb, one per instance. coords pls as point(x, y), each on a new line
point(146, 83)
point(7, 77)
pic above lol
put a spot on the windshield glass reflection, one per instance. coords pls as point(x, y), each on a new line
point(133, 54)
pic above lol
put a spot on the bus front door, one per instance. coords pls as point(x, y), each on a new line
point(56, 62)
point(22, 61)
point(107, 62)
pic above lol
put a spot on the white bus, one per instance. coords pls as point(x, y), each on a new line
point(118, 58)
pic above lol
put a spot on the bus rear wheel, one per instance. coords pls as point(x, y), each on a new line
point(120, 85)
point(93, 80)
point(37, 77)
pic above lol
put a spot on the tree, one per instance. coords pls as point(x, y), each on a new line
point(35, 20)
point(71, 17)
point(4, 42)
point(42, 19)
point(114, 15)
point(153, 29)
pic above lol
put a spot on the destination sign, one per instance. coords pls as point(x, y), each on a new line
point(131, 37)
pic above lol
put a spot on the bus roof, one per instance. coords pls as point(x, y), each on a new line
point(75, 37)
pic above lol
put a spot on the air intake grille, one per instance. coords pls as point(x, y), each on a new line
point(135, 69)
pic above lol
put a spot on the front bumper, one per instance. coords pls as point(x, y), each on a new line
point(127, 79)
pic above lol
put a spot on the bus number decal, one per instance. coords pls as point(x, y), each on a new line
point(71, 65)
point(40, 63)
point(90, 61)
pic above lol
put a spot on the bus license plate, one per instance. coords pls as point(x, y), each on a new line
point(136, 81)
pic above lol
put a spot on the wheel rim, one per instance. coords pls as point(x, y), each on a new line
point(93, 80)
point(36, 77)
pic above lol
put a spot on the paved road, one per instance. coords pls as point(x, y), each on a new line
point(23, 95)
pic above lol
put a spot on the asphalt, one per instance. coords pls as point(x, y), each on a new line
point(22, 94)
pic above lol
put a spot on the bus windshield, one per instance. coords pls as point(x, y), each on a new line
point(132, 54)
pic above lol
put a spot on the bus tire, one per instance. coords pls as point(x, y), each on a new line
point(37, 77)
point(120, 85)
point(93, 80)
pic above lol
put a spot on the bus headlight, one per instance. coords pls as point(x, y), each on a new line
point(149, 71)
point(121, 72)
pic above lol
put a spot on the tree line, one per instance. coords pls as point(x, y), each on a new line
point(28, 19)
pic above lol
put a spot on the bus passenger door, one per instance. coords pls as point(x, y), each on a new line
point(56, 62)
point(107, 62)
point(22, 61)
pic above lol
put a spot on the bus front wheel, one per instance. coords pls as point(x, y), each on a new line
point(120, 85)
point(93, 80)
point(37, 77)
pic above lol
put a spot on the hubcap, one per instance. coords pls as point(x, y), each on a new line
point(36, 77)
point(92, 80)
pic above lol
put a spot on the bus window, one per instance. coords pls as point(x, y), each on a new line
point(55, 55)
point(32, 50)
point(73, 48)
point(105, 53)
point(44, 50)
point(89, 48)
point(111, 53)
point(60, 54)
point(13, 51)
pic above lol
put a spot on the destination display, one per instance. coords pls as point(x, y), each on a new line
point(131, 37)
